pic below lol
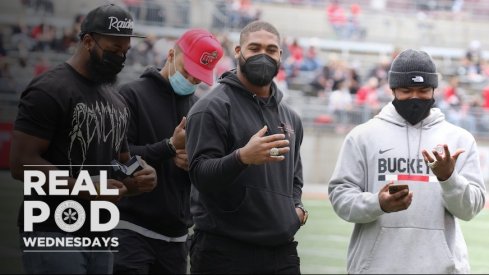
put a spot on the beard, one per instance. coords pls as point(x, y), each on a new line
point(98, 72)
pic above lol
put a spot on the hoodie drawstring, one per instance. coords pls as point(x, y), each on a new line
point(419, 142)
point(262, 116)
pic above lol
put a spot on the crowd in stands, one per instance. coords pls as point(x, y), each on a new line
point(235, 14)
point(349, 94)
point(174, 13)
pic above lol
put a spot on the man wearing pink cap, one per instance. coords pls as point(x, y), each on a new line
point(243, 145)
point(153, 227)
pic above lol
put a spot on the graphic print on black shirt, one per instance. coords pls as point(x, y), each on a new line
point(89, 124)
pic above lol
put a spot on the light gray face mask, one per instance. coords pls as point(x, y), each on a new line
point(179, 83)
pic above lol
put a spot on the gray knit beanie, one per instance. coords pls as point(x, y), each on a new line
point(413, 68)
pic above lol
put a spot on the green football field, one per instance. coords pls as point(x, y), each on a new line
point(323, 241)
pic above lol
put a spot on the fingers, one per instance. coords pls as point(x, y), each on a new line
point(275, 158)
point(394, 202)
point(278, 143)
point(112, 183)
point(145, 171)
point(400, 194)
point(182, 123)
point(386, 187)
point(181, 154)
point(262, 131)
point(457, 153)
point(283, 150)
point(272, 138)
point(426, 156)
point(440, 157)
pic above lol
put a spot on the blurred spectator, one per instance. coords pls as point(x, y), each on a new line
point(41, 66)
point(354, 30)
point(311, 61)
point(294, 61)
point(38, 6)
point(354, 80)
point(340, 104)
point(471, 68)
point(485, 97)
point(336, 18)
point(241, 12)
point(3, 52)
point(450, 95)
point(142, 54)
point(322, 81)
point(381, 69)
point(134, 7)
point(7, 81)
point(455, 106)
point(366, 100)
point(367, 94)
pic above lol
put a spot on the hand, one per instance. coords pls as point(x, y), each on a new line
point(142, 181)
point(179, 135)
point(394, 202)
point(112, 184)
point(444, 163)
point(181, 159)
point(257, 150)
point(300, 214)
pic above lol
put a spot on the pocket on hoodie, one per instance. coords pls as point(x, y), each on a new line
point(267, 214)
point(410, 250)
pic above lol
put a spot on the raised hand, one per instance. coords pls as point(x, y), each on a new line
point(259, 150)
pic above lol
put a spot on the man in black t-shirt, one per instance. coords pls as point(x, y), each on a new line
point(71, 118)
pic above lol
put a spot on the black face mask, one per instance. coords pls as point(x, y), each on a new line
point(259, 69)
point(414, 109)
point(104, 69)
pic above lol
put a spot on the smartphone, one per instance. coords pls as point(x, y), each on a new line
point(397, 187)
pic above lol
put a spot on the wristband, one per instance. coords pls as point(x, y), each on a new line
point(172, 147)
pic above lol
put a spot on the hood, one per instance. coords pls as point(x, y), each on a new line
point(389, 114)
point(154, 73)
point(230, 78)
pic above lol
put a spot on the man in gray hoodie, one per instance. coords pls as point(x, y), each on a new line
point(414, 230)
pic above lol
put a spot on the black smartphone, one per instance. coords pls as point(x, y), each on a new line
point(397, 187)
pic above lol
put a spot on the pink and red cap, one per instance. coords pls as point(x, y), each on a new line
point(201, 52)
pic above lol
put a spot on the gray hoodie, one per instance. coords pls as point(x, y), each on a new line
point(426, 237)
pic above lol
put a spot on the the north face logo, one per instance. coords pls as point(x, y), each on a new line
point(208, 58)
point(418, 79)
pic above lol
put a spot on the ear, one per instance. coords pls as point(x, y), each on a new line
point(87, 41)
point(171, 55)
point(237, 51)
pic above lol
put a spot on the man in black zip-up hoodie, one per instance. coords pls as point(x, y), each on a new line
point(243, 145)
point(153, 227)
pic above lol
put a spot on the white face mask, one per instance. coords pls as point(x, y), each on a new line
point(179, 83)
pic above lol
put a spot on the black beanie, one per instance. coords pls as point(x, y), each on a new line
point(413, 68)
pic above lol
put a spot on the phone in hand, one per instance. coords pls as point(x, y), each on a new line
point(397, 187)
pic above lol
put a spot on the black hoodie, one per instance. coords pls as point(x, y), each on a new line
point(155, 112)
point(255, 203)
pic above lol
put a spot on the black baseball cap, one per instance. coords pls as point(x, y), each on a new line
point(110, 20)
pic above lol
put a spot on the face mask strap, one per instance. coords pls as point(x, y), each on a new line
point(105, 51)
